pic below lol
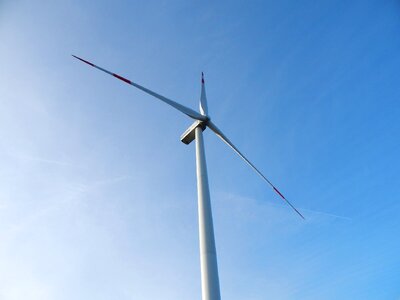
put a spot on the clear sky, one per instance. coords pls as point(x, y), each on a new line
point(98, 194)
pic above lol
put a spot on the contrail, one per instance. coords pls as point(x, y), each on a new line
point(326, 214)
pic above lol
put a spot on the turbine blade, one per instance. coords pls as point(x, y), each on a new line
point(187, 111)
point(203, 97)
point(229, 143)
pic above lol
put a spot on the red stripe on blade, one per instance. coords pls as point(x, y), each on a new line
point(279, 193)
point(122, 78)
point(85, 61)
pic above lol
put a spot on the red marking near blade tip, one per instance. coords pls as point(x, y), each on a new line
point(122, 78)
point(85, 61)
point(279, 193)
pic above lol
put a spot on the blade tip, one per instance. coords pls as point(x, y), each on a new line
point(83, 60)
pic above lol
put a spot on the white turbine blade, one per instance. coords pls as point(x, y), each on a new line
point(229, 143)
point(203, 97)
point(187, 111)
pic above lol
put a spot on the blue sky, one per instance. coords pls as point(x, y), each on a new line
point(98, 194)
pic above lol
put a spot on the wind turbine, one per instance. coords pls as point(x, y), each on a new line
point(208, 255)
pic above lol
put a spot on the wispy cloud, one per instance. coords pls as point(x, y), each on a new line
point(73, 193)
point(330, 215)
point(283, 208)
point(26, 157)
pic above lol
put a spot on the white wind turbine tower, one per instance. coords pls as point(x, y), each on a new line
point(208, 255)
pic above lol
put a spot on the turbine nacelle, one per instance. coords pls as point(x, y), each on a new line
point(190, 134)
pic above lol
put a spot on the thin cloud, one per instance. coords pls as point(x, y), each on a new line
point(75, 192)
point(326, 214)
